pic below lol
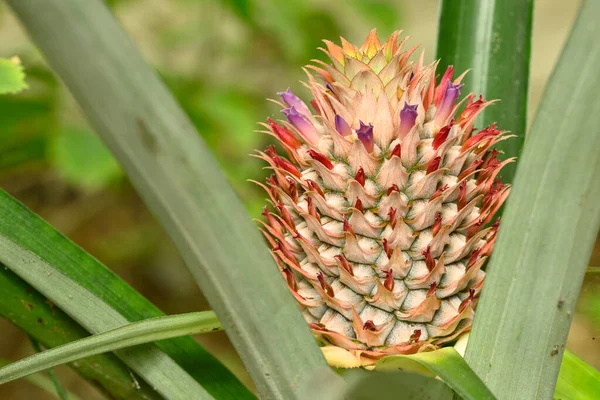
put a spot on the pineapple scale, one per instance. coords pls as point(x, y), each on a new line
point(382, 204)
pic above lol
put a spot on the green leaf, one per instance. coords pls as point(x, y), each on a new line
point(43, 383)
point(27, 230)
point(359, 384)
point(445, 363)
point(395, 386)
point(493, 39)
point(577, 380)
point(182, 184)
point(41, 319)
point(81, 159)
point(12, 77)
point(134, 334)
point(548, 230)
point(60, 390)
point(156, 367)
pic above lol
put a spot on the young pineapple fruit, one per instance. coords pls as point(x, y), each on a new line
point(382, 205)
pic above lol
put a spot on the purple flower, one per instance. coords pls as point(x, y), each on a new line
point(304, 126)
point(365, 135)
point(292, 100)
point(408, 116)
point(448, 102)
point(342, 126)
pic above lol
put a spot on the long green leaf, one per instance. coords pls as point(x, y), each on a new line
point(549, 228)
point(181, 183)
point(364, 385)
point(41, 319)
point(142, 332)
point(60, 390)
point(493, 39)
point(29, 231)
point(42, 382)
point(445, 363)
point(577, 380)
point(156, 367)
point(395, 386)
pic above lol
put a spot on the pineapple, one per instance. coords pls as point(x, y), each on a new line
point(382, 206)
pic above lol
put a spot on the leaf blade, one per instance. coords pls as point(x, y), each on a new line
point(60, 390)
point(398, 386)
point(359, 384)
point(181, 183)
point(577, 380)
point(549, 228)
point(493, 39)
point(445, 363)
point(30, 231)
point(129, 335)
point(42, 382)
point(156, 367)
point(40, 318)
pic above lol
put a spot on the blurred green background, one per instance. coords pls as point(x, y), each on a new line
point(222, 59)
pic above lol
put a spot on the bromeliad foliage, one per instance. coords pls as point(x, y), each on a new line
point(382, 208)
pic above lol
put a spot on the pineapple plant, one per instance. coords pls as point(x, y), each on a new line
point(382, 207)
point(383, 201)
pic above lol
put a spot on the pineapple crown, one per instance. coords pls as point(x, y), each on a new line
point(381, 209)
